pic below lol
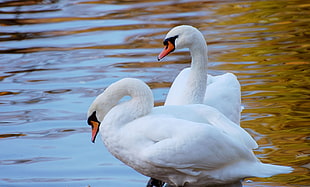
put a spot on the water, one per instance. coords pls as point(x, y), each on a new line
point(57, 55)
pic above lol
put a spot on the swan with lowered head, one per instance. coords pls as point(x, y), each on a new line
point(187, 145)
point(193, 85)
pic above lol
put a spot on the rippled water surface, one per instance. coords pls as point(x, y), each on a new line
point(57, 55)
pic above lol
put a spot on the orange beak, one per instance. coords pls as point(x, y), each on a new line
point(95, 130)
point(168, 49)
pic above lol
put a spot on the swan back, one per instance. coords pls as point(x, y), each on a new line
point(141, 102)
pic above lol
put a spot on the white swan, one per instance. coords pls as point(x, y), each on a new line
point(186, 145)
point(193, 85)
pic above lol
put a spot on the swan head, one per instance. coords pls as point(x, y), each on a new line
point(179, 37)
point(97, 111)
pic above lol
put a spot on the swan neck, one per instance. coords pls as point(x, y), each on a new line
point(197, 81)
point(140, 103)
point(199, 53)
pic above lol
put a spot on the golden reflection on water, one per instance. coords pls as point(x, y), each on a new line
point(265, 43)
point(274, 78)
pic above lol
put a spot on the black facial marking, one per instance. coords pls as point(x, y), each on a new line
point(171, 39)
point(155, 183)
point(91, 118)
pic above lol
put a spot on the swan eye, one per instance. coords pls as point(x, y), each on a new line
point(171, 39)
point(166, 42)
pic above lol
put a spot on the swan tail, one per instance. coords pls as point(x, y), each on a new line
point(268, 170)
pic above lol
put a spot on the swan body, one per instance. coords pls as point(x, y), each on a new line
point(186, 145)
point(193, 85)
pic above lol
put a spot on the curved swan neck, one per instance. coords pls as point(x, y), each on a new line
point(199, 52)
point(109, 109)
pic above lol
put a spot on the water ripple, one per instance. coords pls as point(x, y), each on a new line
point(56, 56)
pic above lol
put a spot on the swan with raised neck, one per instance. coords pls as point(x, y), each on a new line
point(186, 36)
point(193, 85)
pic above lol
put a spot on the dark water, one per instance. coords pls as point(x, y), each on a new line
point(57, 55)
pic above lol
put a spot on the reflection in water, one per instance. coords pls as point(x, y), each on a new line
point(56, 56)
